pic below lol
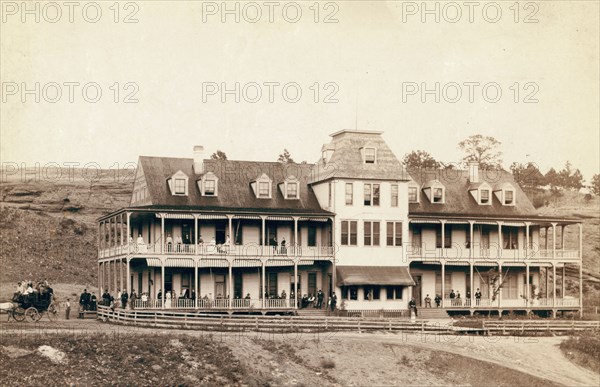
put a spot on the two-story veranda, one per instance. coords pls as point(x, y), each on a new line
point(191, 255)
point(514, 263)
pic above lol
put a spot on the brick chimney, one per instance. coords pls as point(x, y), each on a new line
point(198, 159)
point(473, 172)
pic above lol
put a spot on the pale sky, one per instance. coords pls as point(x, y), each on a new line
point(369, 54)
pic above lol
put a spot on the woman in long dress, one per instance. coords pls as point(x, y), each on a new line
point(168, 300)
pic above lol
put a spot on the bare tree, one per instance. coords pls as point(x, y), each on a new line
point(219, 155)
point(285, 157)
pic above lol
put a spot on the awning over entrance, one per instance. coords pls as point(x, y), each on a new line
point(373, 275)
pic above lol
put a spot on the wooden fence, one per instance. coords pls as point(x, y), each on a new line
point(275, 324)
point(538, 326)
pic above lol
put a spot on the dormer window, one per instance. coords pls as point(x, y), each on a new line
point(209, 185)
point(263, 189)
point(438, 195)
point(370, 155)
point(484, 196)
point(178, 184)
point(292, 191)
point(509, 198)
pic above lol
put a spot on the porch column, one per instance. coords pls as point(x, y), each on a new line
point(562, 292)
point(99, 279)
point(580, 269)
point(500, 246)
point(121, 229)
point(443, 284)
point(553, 284)
point(114, 265)
point(554, 242)
point(262, 289)
point(99, 239)
point(471, 223)
point(443, 222)
point(128, 280)
point(196, 247)
point(231, 236)
point(109, 244)
point(527, 290)
point(121, 283)
point(499, 284)
point(527, 240)
point(295, 284)
point(162, 238)
point(162, 283)
point(128, 216)
point(547, 287)
point(230, 261)
point(196, 290)
point(546, 237)
point(262, 233)
point(295, 239)
point(334, 274)
point(471, 303)
point(562, 238)
point(114, 230)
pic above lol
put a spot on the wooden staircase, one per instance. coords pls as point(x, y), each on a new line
point(432, 313)
point(312, 312)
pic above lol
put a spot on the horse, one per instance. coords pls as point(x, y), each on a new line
point(8, 308)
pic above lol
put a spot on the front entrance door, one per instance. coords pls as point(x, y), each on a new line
point(220, 286)
point(312, 284)
point(417, 289)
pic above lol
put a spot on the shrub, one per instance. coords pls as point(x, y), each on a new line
point(327, 364)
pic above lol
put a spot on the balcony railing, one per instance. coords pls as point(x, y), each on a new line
point(208, 249)
point(456, 252)
point(454, 303)
point(220, 303)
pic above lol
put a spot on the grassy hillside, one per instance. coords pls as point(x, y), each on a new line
point(48, 228)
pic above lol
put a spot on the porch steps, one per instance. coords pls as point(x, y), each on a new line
point(432, 313)
point(312, 312)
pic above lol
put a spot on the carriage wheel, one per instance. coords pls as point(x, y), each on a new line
point(53, 312)
point(18, 314)
point(32, 314)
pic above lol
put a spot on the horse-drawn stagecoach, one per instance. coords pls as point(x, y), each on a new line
point(31, 306)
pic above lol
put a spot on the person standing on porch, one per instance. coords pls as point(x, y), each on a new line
point(458, 299)
point(283, 246)
point(477, 297)
point(124, 298)
point(452, 297)
point(412, 306)
point(333, 301)
point(320, 296)
point(438, 300)
point(468, 298)
point(428, 301)
point(132, 298)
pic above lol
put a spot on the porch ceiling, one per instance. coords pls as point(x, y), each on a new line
point(373, 275)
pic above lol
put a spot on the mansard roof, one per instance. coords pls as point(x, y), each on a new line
point(235, 191)
point(458, 201)
point(347, 161)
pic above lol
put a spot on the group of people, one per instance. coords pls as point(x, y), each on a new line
point(455, 299)
point(27, 289)
point(122, 300)
point(87, 301)
point(314, 301)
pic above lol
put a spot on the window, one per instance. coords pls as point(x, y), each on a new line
point(509, 197)
point(263, 189)
point(272, 285)
point(349, 194)
point(394, 292)
point(349, 293)
point(209, 187)
point(371, 233)
point(485, 196)
point(394, 234)
point(412, 195)
point(349, 232)
point(292, 190)
point(371, 194)
point(438, 195)
point(394, 195)
point(447, 236)
point(510, 237)
point(370, 155)
point(371, 293)
point(179, 186)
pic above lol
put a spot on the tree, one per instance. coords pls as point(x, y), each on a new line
point(595, 187)
point(552, 178)
point(219, 155)
point(285, 157)
point(420, 159)
point(483, 149)
point(569, 179)
point(527, 176)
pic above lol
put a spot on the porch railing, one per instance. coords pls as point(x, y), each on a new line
point(220, 303)
point(460, 252)
point(509, 303)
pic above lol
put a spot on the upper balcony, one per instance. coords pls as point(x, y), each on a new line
point(250, 250)
point(455, 253)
